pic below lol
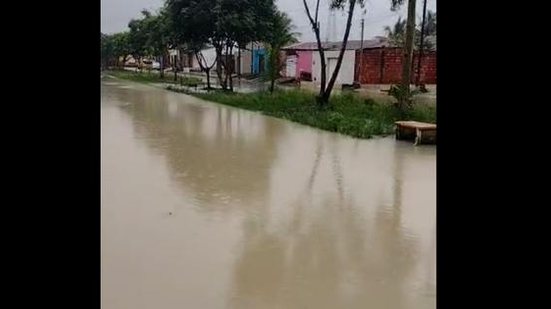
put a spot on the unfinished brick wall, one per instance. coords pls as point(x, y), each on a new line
point(384, 66)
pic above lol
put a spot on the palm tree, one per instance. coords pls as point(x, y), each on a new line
point(429, 30)
point(282, 34)
point(396, 34)
point(430, 23)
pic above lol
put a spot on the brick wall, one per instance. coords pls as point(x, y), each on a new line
point(384, 66)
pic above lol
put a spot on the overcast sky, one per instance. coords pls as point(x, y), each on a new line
point(115, 15)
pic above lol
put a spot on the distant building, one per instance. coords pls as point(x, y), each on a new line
point(303, 60)
point(381, 62)
point(383, 65)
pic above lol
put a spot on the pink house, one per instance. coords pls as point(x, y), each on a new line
point(299, 60)
point(304, 63)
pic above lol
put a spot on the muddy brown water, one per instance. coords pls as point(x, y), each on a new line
point(208, 206)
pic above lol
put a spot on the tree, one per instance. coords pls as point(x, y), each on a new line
point(281, 35)
point(430, 23)
point(423, 42)
point(429, 30)
point(121, 47)
point(397, 33)
point(222, 24)
point(137, 37)
point(157, 34)
point(203, 63)
point(106, 50)
point(113, 48)
point(193, 26)
point(405, 97)
point(325, 90)
point(240, 21)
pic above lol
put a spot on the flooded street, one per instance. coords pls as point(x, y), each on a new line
point(207, 206)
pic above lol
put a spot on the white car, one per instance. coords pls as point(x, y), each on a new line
point(156, 65)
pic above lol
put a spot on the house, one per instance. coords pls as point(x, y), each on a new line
point(299, 60)
point(130, 61)
point(375, 61)
point(245, 65)
point(240, 61)
point(209, 55)
point(259, 58)
point(303, 59)
point(252, 59)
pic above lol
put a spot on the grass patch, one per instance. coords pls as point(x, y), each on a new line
point(349, 114)
point(154, 77)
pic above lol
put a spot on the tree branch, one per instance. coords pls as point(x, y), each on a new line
point(312, 22)
point(317, 10)
point(320, 49)
point(199, 60)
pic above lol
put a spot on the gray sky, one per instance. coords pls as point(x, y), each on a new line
point(115, 15)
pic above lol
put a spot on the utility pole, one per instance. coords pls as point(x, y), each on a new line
point(421, 45)
point(361, 54)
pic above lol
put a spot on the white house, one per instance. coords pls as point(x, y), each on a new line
point(346, 72)
point(209, 55)
point(304, 57)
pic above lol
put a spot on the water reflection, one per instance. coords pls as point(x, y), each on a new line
point(310, 219)
point(328, 257)
point(218, 155)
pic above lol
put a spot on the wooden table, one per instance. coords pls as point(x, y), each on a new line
point(421, 132)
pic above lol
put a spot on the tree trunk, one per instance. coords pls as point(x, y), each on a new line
point(252, 58)
point(224, 65)
point(408, 54)
point(273, 65)
point(230, 65)
point(272, 85)
point(329, 88)
point(208, 78)
point(418, 78)
point(315, 27)
point(219, 75)
point(225, 80)
point(180, 63)
point(221, 81)
point(239, 62)
point(161, 67)
point(174, 68)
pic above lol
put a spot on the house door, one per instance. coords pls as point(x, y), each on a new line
point(291, 66)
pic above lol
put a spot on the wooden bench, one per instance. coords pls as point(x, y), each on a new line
point(421, 132)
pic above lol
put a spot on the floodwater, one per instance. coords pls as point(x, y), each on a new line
point(207, 206)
